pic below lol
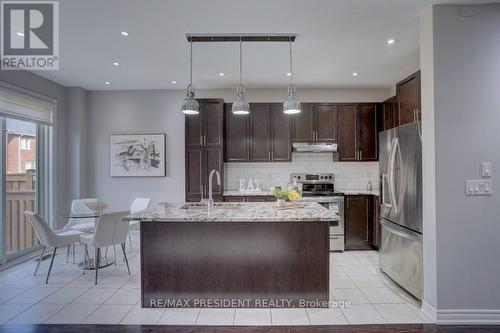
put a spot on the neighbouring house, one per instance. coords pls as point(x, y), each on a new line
point(21, 152)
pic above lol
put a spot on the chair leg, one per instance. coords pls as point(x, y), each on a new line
point(130, 239)
point(106, 253)
point(67, 253)
point(97, 254)
point(84, 258)
point(73, 253)
point(39, 260)
point(125, 257)
point(51, 263)
point(114, 251)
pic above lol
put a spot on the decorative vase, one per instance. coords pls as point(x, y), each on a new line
point(280, 202)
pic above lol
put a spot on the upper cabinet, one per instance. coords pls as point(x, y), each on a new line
point(236, 137)
point(316, 123)
point(409, 99)
point(281, 135)
point(357, 132)
point(390, 113)
point(264, 135)
point(205, 128)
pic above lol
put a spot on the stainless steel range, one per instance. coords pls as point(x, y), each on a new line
point(320, 188)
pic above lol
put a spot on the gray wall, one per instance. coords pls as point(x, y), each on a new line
point(467, 123)
point(39, 85)
point(158, 111)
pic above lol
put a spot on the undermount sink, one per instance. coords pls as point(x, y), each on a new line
point(217, 205)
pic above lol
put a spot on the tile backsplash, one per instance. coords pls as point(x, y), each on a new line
point(348, 175)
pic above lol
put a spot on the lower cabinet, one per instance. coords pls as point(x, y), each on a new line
point(361, 229)
point(199, 163)
point(252, 198)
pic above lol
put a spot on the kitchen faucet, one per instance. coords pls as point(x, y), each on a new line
point(210, 199)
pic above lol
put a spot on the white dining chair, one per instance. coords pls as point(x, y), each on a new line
point(85, 225)
point(50, 238)
point(110, 231)
point(137, 205)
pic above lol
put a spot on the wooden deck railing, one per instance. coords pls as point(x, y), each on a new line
point(20, 196)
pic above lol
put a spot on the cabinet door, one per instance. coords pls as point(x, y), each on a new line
point(358, 223)
point(304, 124)
point(236, 137)
point(260, 132)
point(194, 130)
point(194, 174)
point(213, 119)
point(409, 98)
point(213, 160)
point(347, 132)
point(367, 132)
point(281, 135)
point(326, 122)
point(388, 112)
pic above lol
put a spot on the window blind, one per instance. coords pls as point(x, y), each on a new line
point(25, 107)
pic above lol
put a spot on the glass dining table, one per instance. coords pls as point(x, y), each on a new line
point(90, 262)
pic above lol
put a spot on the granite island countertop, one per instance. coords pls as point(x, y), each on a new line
point(233, 212)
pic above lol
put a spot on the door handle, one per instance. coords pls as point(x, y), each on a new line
point(403, 234)
point(360, 155)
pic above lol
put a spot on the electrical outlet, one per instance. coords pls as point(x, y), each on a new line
point(486, 169)
point(478, 187)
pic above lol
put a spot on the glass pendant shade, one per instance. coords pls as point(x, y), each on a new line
point(190, 105)
point(291, 105)
point(241, 105)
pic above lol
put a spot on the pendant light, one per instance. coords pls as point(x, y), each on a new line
point(190, 105)
point(291, 105)
point(241, 105)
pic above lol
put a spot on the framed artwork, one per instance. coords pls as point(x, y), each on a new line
point(137, 155)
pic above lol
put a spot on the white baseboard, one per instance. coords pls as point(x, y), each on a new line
point(468, 317)
point(463, 317)
point(429, 311)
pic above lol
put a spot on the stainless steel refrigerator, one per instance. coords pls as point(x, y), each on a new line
point(400, 157)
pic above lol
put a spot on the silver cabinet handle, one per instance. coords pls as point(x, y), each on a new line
point(201, 140)
point(269, 156)
point(360, 155)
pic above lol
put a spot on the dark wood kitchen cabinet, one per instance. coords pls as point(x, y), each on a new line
point(358, 222)
point(281, 135)
point(260, 132)
point(204, 149)
point(390, 113)
point(409, 105)
point(357, 127)
point(317, 122)
point(236, 137)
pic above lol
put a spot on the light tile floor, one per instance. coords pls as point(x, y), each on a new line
point(72, 298)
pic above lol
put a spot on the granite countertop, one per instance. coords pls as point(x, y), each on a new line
point(237, 193)
point(225, 212)
point(358, 192)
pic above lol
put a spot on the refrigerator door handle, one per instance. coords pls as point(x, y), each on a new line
point(404, 234)
point(392, 160)
point(385, 195)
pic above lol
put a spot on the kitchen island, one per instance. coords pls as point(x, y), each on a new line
point(240, 255)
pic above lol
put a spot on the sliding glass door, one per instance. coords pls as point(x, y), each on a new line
point(25, 177)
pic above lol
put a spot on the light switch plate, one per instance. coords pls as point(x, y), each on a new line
point(486, 169)
point(478, 187)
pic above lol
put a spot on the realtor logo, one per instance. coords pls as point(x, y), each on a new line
point(30, 35)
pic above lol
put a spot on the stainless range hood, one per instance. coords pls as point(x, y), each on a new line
point(314, 147)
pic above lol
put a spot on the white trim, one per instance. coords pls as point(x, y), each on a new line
point(468, 317)
point(429, 311)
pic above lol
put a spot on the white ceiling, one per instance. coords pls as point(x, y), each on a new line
point(334, 39)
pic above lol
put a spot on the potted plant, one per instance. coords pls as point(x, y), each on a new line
point(280, 195)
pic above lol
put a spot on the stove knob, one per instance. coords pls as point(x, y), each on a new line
point(298, 177)
point(330, 177)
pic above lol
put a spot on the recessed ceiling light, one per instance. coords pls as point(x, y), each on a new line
point(288, 74)
point(116, 64)
point(391, 41)
point(174, 82)
point(20, 34)
point(221, 74)
point(107, 83)
point(355, 74)
point(124, 33)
